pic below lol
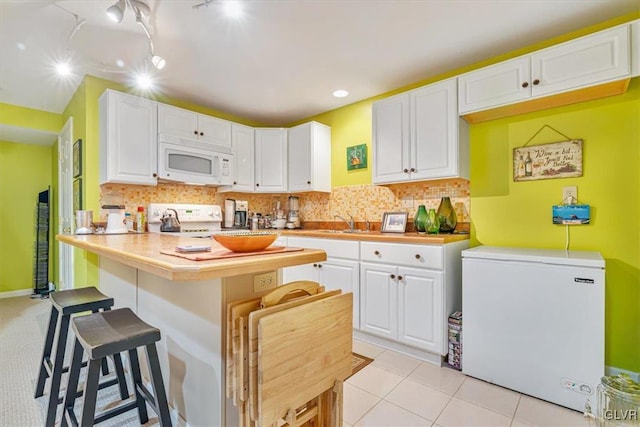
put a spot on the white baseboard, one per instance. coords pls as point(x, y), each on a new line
point(19, 293)
point(612, 370)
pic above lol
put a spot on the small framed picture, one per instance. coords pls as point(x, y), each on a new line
point(77, 195)
point(357, 157)
point(394, 222)
point(77, 158)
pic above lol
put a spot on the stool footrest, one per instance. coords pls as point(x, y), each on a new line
point(146, 394)
point(113, 412)
point(104, 384)
point(49, 366)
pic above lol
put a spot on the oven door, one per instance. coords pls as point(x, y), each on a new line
point(189, 165)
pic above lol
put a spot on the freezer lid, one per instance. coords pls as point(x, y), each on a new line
point(545, 256)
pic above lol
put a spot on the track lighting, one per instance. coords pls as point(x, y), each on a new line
point(141, 10)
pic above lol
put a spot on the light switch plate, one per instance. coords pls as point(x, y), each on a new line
point(570, 195)
point(407, 202)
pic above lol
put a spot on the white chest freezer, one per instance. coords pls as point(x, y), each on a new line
point(533, 321)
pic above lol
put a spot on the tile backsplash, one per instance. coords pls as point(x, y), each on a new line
point(364, 202)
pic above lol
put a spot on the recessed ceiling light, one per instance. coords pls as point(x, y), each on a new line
point(120, 63)
point(340, 93)
point(21, 46)
point(144, 81)
point(63, 69)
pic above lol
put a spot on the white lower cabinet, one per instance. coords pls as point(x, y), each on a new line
point(339, 271)
point(402, 304)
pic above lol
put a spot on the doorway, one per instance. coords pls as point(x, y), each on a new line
point(65, 204)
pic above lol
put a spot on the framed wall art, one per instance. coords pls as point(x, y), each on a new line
point(394, 222)
point(555, 160)
point(357, 157)
point(77, 158)
point(77, 195)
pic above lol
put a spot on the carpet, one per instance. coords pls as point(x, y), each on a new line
point(358, 362)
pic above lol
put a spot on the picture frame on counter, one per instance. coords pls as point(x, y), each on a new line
point(77, 194)
point(394, 222)
point(77, 158)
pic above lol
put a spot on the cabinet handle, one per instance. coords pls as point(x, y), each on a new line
point(315, 265)
point(235, 182)
point(376, 252)
point(257, 185)
point(399, 277)
point(418, 256)
point(393, 276)
point(195, 132)
point(412, 169)
point(406, 171)
point(201, 133)
point(308, 182)
point(155, 175)
point(536, 82)
point(319, 265)
point(525, 84)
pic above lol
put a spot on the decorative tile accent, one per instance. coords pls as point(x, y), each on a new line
point(364, 202)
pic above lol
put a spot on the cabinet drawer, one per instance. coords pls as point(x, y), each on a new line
point(333, 248)
point(425, 256)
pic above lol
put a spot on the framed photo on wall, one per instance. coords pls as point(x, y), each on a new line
point(77, 158)
point(394, 222)
point(77, 195)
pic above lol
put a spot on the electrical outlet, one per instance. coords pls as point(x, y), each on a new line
point(407, 202)
point(262, 282)
point(569, 195)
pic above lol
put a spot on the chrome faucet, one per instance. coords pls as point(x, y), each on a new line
point(350, 223)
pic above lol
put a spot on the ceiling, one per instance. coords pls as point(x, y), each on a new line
point(281, 61)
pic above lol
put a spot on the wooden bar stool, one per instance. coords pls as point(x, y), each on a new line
point(104, 334)
point(64, 304)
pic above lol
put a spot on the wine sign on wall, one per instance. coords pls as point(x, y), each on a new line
point(555, 160)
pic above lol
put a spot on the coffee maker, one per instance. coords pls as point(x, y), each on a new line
point(235, 213)
point(294, 211)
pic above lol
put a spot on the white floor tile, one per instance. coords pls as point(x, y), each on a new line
point(356, 403)
point(537, 412)
point(396, 363)
point(385, 414)
point(459, 413)
point(419, 399)
point(443, 379)
point(366, 349)
point(375, 380)
point(493, 397)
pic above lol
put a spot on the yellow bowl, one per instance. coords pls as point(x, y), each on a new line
point(248, 241)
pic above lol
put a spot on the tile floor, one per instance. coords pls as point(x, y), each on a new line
point(398, 390)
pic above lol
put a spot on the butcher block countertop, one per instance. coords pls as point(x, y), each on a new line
point(142, 251)
point(377, 236)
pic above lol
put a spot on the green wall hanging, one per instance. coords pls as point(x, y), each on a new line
point(357, 157)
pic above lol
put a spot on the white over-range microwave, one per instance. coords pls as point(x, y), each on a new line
point(194, 162)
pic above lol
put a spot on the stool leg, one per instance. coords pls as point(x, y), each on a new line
point(57, 371)
point(90, 393)
point(105, 366)
point(122, 382)
point(72, 383)
point(46, 352)
point(162, 407)
point(137, 382)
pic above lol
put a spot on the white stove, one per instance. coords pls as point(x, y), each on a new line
point(195, 220)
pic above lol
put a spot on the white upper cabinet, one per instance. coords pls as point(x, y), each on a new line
point(635, 48)
point(242, 141)
point(128, 139)
point(183, 123)
point(271, 160)
point(309, 158)
point(587, 61)
point(417, 135)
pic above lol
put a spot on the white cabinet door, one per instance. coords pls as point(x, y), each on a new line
point(177, 122)
point(301, 272)
point(128, 139)
point(420, 301)
point(586, 61)
point(391, 139)
point(309, 159)
point(271, 160)
point(635, 48)
point(215, 131)
point(243, 153)
point(434, 131)
point(504, 83)
point(345, 275)
point(378, 300)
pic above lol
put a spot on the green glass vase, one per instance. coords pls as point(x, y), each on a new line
point(420, 220)
point(447, 216)
point(433, 222)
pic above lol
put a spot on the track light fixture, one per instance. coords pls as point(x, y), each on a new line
point(141, 10)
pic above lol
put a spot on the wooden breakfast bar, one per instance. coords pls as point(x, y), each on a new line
point(186, 300)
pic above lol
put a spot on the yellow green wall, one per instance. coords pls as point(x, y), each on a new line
point(25, 170)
